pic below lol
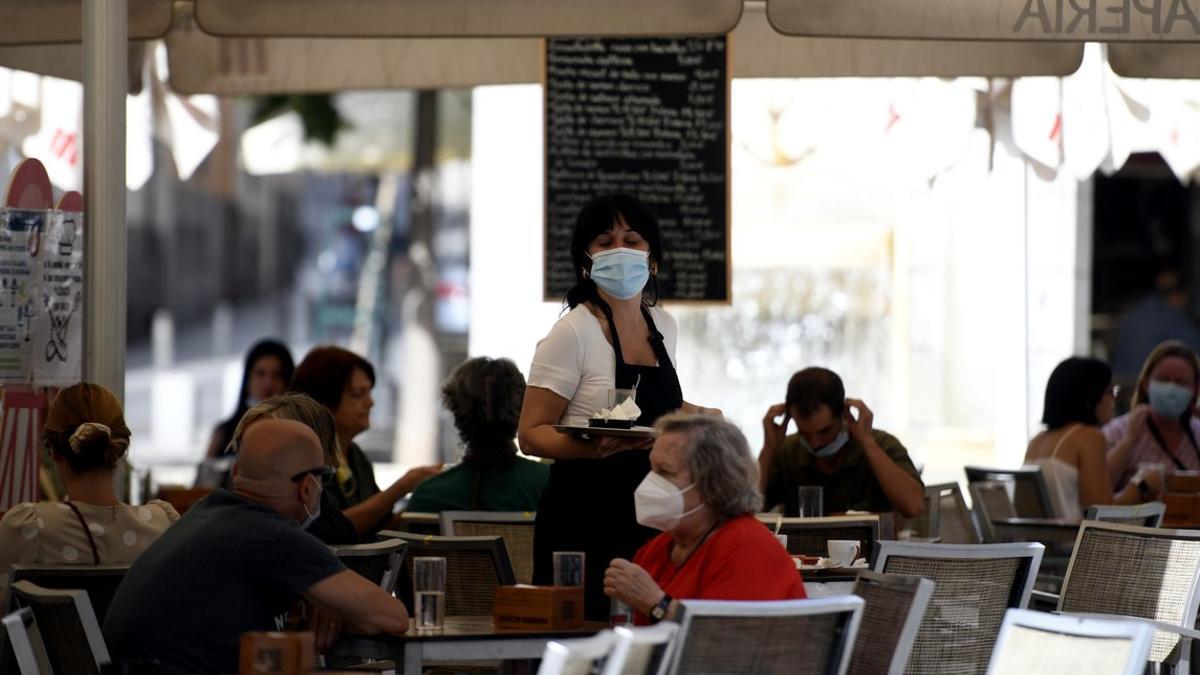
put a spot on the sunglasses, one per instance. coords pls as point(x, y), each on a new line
point(323, 474)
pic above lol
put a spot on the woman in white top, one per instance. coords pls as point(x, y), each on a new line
point(86, 435)
point(1072, 449)
point(612, 337)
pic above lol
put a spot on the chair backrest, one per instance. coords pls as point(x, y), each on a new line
point(766, 638)
point(991, 501)
point(949, 518)
point(516, 527)
point(475, 566)
point(68, 626)
point(1142, 515)
point(895, 607)
point(576, 657)
point(973, 586)
point(421, 523)
point(1143, 572)
point(99, 581)
point(214, 471)
point(20, 640)
point(1028, 492)
point(1037, 643)
point(640, 651)
point(810, 536)
point(378, 561)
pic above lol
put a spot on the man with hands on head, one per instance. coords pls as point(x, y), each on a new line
point(859, 467)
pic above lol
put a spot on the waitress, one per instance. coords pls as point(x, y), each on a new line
point(612, 337)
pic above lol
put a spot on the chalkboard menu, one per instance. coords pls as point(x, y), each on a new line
point(646, 116)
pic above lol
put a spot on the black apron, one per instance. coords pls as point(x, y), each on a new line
point(588, 503)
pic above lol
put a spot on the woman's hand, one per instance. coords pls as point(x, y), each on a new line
point(632, 585)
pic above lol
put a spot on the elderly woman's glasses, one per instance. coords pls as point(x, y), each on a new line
point(323, 474)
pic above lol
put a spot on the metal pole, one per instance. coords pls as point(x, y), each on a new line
point(105, 68)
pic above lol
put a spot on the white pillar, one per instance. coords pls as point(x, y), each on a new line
point(105, 55)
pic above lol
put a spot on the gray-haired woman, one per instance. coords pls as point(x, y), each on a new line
point(702, 492)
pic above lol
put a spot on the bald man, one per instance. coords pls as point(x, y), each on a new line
point(238, 560)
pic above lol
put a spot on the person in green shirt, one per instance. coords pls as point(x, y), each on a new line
point(858, 467)
point(484, 395)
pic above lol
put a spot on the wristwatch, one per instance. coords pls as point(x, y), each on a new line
point(659, 611)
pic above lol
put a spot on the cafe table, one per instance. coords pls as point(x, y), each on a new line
point(462, 638)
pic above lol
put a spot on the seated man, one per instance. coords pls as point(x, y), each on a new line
point(238, 560)
point(859, 468)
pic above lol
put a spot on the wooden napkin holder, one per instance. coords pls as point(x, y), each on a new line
point(541, 607)
point(276, 654)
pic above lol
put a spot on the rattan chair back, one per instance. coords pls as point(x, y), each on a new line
point(378, 561)
point(1038, 643)
point(475, 566)
point(68, 626)
point(973, 586)
point(640, 651)
point(793, 637)
point(515, 527)
point(992, 501)
point(417, 522)
point(1149, 514)
point(1029, 495)
point(1141, 572)
point(895, 607)
point(811, 536)
point(577, 657)
point(99, 581)
point(949, 519)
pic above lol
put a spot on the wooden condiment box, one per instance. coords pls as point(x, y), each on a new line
point(538, 607)
point(276, 653)
point(1184, 481)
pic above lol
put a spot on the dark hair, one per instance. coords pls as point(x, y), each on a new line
point(812, 388)
point(1074, 390)
point(598, 217)
point(86, 426)
point(325, 372)
point(485, 396)
point(260, 349)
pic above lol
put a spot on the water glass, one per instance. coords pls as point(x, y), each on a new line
point(568, 568)
point(429, 592)
point(812, 501)
point(620, 614)
point(618, 396)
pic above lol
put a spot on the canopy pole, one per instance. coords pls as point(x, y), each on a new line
point(105, 73)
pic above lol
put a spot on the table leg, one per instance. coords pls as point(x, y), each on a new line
point(412, 658)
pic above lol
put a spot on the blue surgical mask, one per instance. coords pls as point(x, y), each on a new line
point(1169, 399)
point(829, 450)
point(621, 272)
point(312, 517)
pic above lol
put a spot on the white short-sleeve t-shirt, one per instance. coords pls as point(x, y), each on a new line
point(577, 363)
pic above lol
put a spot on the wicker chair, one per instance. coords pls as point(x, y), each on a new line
point(1036, 643)
point(21, 645)
point(973, 586)
point(1029, 496)
point(516, 527)
point(68, 626)
point(999, 522)
point(475, 566)
point(949, 519)
point(796, 637)
point(1142, 515)
point(577, 657)
point(99, 581)
point(1141, 573)
point(378, 561)
point(640, 651)
point(810, 536)
point(420, 523)
point(895, 607)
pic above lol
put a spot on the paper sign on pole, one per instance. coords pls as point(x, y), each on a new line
point(58, 336)
point(20, 247)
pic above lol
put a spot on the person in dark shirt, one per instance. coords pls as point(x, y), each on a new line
point(238, 561)
point(858, 467)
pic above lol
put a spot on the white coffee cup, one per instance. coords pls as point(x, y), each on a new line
point(844, 551)
point(782, 540)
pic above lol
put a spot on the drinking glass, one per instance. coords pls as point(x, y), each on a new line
point(618, 396)
point(568, 568)
point(812, 501)
point(429, 592)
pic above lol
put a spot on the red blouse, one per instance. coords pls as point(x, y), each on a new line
point(740, 560)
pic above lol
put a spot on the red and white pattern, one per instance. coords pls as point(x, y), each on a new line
point(21, 414)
